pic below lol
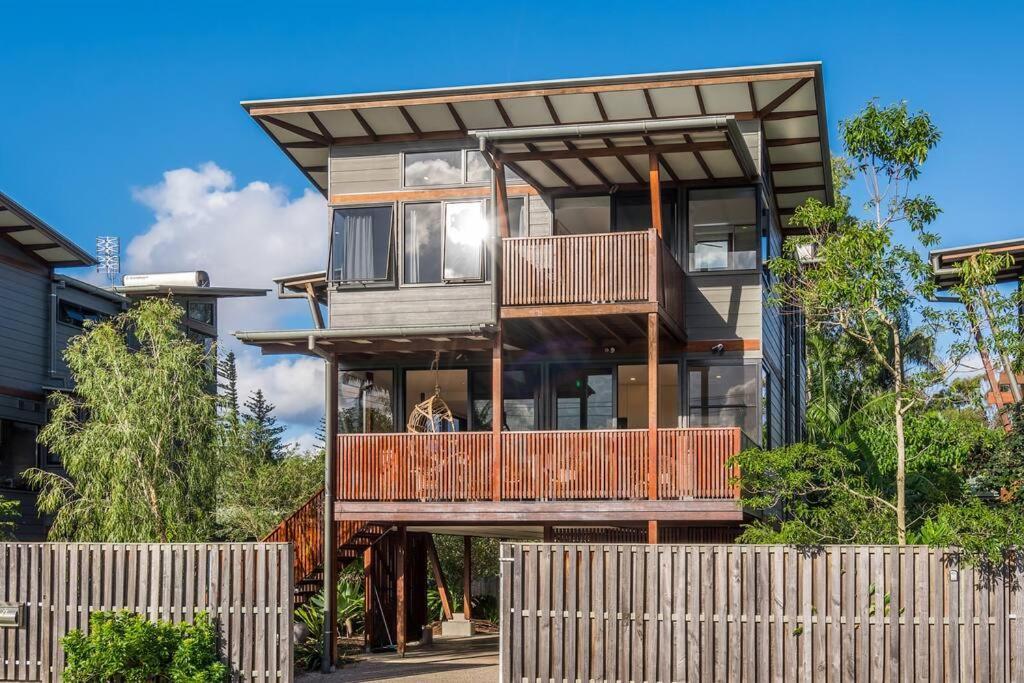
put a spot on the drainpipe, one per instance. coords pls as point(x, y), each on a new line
point(330, 587)
point(51, 363)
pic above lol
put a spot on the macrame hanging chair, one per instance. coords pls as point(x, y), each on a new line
point(433, 414)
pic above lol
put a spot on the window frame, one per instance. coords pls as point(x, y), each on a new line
point(61, 303)
point(392, 281)
point(486, 275)
point(688, 363)
point(683, 221)
point(464, 180)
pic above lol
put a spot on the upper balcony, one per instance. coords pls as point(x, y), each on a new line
point(622, 273)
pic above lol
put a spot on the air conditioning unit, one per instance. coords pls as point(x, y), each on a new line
point(195, 278)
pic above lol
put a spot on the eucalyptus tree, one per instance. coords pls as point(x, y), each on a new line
point(138, 435)
point(862, 283)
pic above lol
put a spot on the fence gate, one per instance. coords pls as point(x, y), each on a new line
point(245, 587)
point(756, 613)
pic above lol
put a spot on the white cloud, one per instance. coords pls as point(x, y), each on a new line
point(243, 237)
point(295, 384)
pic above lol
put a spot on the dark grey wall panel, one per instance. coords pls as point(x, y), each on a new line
point(455, 305)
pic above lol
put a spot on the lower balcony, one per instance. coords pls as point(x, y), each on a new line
point(569, 475)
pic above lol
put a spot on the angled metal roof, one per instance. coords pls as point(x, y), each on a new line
point(944, 260)
point(25, 230)
point(786, 100)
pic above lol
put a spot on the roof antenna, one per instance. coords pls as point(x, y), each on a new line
point(108, 255)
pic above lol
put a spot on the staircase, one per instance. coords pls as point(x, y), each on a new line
point(304, 529)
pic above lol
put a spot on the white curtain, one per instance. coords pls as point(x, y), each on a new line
point(357, 232)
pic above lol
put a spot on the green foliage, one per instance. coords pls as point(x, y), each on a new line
point(254, 493)
point(127, 646)
point(983, 533)
point(227, 372)
point(308, 650)
point(10, 511)
point(262, 428)
point(137, 437)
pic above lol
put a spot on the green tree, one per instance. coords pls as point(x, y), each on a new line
point(138, 435)
point(863, 284)
point(262, 428)
point(227, 372)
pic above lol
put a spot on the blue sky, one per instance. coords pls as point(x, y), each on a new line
point(101, 100)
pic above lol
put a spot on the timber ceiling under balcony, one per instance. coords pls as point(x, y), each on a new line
point(787, 100)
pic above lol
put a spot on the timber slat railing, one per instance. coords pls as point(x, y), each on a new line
point(672, 286)
point(536, 466)
point(576, 269)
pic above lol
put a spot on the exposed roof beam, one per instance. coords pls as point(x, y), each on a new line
point(409, 121)
point(753, 98)
point(546, 155)
point(42, 246)
point(700, 160)
point(288, 153)
point(796, 189)
point(305, 144)
point(700, 101)
point(551, 165)
point(370, 133)
point(504, 114)
point(785, 95)
point(551, 110)
point(798, 114)
point(456, 118)
point(609, 143)
point(14, 228)
point(298, 130)
point(788, 142)
point(320, 125)
point(589, 165)
point(796, 165)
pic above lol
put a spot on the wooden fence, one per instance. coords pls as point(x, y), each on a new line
point(245, 587)
point(756, 613)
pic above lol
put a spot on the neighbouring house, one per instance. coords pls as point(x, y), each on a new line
point(588, 256)
point(944, 268)
point(40, 312)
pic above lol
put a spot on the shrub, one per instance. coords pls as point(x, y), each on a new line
point(127, 646)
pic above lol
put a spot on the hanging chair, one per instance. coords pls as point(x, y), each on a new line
point(433, 414)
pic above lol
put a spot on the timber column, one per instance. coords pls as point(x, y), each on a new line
point(653, 328)
point(330, 632)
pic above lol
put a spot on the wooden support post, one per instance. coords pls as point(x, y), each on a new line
point(368, 599)
point(501, 199)
point(986, 361)
point(467, 576)
point(497, 413)
point(652, 406)
point(655, 183)
point(314, 307)
point(442, 586)
point(652, 531)
point(330, 541)
point(401, 590)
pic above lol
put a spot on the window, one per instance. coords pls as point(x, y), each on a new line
point(73, 314)
point(766, 408)
point(361, 244)
point(477, 170)
point(723, 396)
point(444, 242)
point(520, 394)
point(465, 229)
point(364, 402)
point(433, 168)
point(201, 312)
point(454, 390)
point(423, 243)
point(632, 396)
point(18, 452)
point(584, 398)
point(723, 229)
point(583, 215)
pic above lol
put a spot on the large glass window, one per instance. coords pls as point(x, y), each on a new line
point(77, 316)
point(521, 394)
point(444, 242)
point(584, 398)
point(364, 402)
point(723, 229)
point(582, 215)
point(632, 396)
point(201, 312)
point(452, 386)
point(723, 396)
point(433, 168)
point(361, 244)
point(423, 242)
point(465, 229)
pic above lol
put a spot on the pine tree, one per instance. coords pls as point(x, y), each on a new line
point(228, 388)
point(320, 435)
point(264, 430)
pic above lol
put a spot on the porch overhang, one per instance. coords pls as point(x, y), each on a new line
point(600, 156)
point(370, 342)
point(944, 261)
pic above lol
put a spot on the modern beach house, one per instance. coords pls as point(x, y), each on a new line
point(576, 269)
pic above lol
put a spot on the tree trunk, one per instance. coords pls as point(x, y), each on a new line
point(1007, 361)
point(901, 440)
point(901, 476)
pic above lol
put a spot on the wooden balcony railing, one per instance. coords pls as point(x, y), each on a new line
point(536, 466)
point(576, 269)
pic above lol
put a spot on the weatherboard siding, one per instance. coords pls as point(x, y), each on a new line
point(24, 310)
point(452, 305)
point(723, 306)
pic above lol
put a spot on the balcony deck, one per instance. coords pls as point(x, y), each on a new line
point(593, 274)
point(590, 474)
